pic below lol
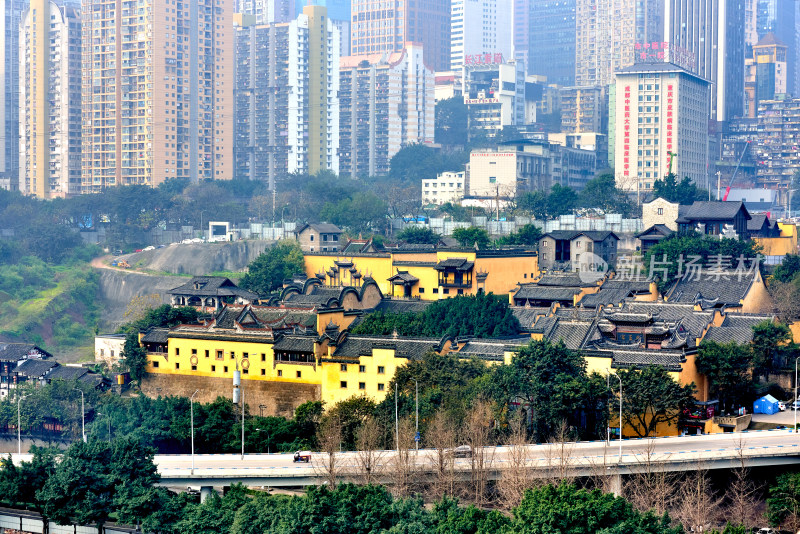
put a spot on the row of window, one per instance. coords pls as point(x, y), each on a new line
point(298, 374)
point(362, 368)
point(362, 386)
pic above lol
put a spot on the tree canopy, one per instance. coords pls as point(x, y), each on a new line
point(418, 235)
point(268, 271)
point(682, 192)
point(482, 315)
point(650, 397)
point(469, 237)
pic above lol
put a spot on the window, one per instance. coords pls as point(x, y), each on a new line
point(343, 367)
point(362, 368)
point(233, 355)
point(102, 352)
point(493, 179)
point(177, 366)
point(435, 290)
point(194, 368)
point(421, 290)
point(380, 387)
point(312, 237)
point(246, 355)
point(245, 371)
point(112, 350)
point(194, 352)
point(219, 354)
point(299, 374)
point(280, 372)
point(263, 357)
point(207, 353)
point(177, 351)
point(446, 291)
point(225, 369)
point(362, 385)
point(155, 364)
point(381, 370)
point(544, 244)
point(264, 372)
point(213, 368)
point(343, 384)
point(661, 211)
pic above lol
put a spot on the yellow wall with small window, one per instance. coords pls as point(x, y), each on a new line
point(218, 359)
point(369, 376)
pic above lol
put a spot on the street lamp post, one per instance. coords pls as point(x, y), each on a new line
point(19, 427)
point(191, 415)
point(83, 416)
point(794, 402)
point(416, 409)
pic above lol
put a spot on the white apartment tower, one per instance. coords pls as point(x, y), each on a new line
point(267, 11)
point(386, 101)
point(480, 27)
point(660, 109)
point(50, 100)
point(272, 97)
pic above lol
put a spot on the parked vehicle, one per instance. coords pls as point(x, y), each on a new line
point(782, 406)
point(302, 456)
point(124, 264)
point(795, 405)
point(118, 252)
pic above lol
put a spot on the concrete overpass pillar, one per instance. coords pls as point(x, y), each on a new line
point(205, 491)
point(615, 484)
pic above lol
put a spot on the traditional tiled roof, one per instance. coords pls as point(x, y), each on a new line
point(295, 344)
point(712, 290)
point(535, 292)
point(156, 335)
point(726, 334)
point(491, 349)
point(669, 360)
point(572, 333)
point(402, 306)
point(605, 297)
point(575, 313)
point(459, 264)
point(322, 228)
point(655, 232)
point(757, 222)
point(569, 235)
point(527, 316)
point(745, 320)
point(67, 372)
point(212, 286)
point(13, 352)
point(638, 285)
point(411, 348)
point(563, 280)
point(710, 211)
point(35, 368)
point(403, 277)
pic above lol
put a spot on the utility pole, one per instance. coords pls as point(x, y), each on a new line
point(719, 186)
point(274, 197)
point(83, 416)
point(396, 421)
point(416, 408)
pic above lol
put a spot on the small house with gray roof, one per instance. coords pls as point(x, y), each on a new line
point(319, 237)
point(210, 292)
point(714, 218)
point(578, 250)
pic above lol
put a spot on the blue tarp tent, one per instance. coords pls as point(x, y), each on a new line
point(766, 404)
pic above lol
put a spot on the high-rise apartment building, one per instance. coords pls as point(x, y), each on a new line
point(781, 17)
point(767, 73)
point(495, 95)
point(713, 32)
point(522, 15)
point(267, 11)
point(387, 101)
point(479, 27)
point(337, 9)
point(50, 100)
point(323, 100)
point(11, 13)
point(661, 110)
point(272, 96)
point(386, 25)
point(157, 91)
point(552, 35)
point(582, 109)
point(777, 144)
point(607, 32)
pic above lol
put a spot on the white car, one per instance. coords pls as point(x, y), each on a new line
point(795, 405)
point(151, 247)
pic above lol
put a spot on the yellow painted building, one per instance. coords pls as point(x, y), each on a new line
point(427, 274)
point(785, 243)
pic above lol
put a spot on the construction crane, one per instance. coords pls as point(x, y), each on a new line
point(735, 172)
point(670, 157)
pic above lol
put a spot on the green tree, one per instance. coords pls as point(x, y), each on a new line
point(727, 368)
point(783, 503)
point(568, 510)
point(561, 201)
point(674, 252)
point(134, 475)
point(418, 235)
point(268, 271)
point(771, 341)
point(362, 212)
point(349, 415)
point(468, 237)
point(451, 122)
point(527, 235)
point(787, 271)
point(81, 489)
point(651, 397)
point(683, 192)
point(551, 378)
point(533, 203)
point(602, 192)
